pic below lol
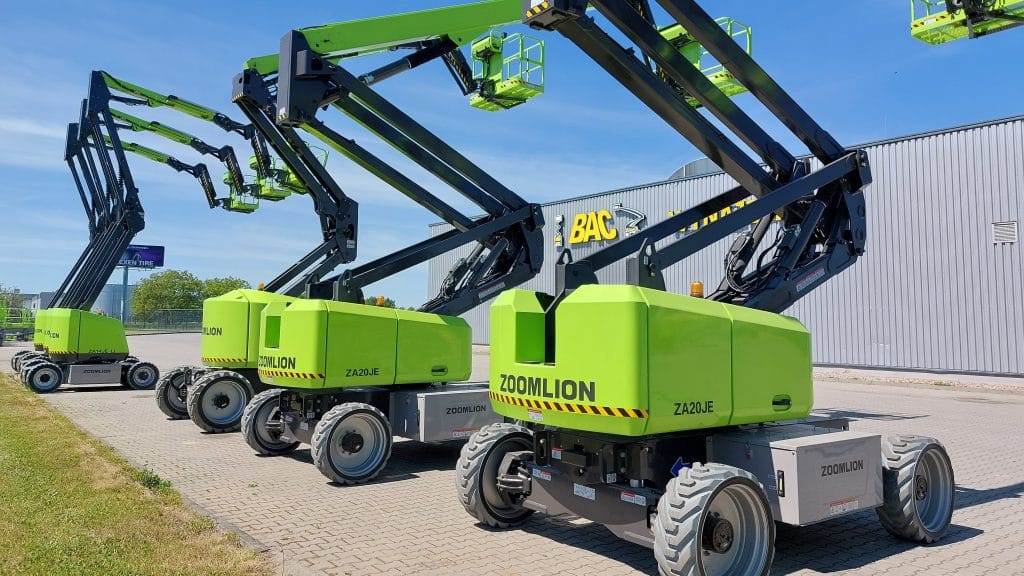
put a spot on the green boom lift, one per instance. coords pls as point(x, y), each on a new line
point(215, 395)
point(941, 21)
point(72, 344)
point(353, 374)
point(231, 327)
point(681, 423)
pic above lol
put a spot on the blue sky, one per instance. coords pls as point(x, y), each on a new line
point(852, 65)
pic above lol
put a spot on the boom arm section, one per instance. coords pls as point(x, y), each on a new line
point(338, 213)
point(109, 196)
point(509, 244)
point(198, 171)
point(495, 80)
point(823, 227)
point(242, 196)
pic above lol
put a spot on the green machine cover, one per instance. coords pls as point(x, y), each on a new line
point(325, 344)
point(231, 325)
point(76, 335)
point(636, 361)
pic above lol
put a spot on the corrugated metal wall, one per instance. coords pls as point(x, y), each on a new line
point(933, 291)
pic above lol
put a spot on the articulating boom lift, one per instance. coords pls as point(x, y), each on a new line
point(354, 374)
point(75, 345)
point(231, 326)
point(87, 149)
point(620, 438)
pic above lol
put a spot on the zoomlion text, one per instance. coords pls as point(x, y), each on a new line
point(556, 388)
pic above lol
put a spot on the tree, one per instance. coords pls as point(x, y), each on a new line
point(171, 289)
point(214, 287)
point(12, 296)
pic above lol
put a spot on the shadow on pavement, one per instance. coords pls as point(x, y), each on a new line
point(859, 415)
point(967, 497)
point(408, 459)
point(847, 543)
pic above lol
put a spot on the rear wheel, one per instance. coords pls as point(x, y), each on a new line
point(352, 443)
point(917, 487)
point(217, 400)
point(714, 520)
point(262, 425)
point(476, 474)
point(44, 377)
point(142, 376)
point(18, 357)
point(172, 393)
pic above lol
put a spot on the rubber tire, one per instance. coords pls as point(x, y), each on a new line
point(324, 432)
point(16, 359)
point(898, 512)
point(37, 370)
point(195, 400)
point(249, 431)
point(473, 459)
point(138, 370)
point(681, 510)
point(164, 386)
point(25, 366)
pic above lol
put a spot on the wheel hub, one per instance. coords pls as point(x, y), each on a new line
point(920, 488)
point(719, 535)
point(352, 442)
point(221, 401)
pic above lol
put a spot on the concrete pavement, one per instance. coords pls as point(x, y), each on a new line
point(410, 522)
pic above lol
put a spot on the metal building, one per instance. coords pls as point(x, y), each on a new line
point(941, 287)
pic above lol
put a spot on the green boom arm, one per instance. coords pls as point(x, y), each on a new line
point(153, 99)
point(459, 24)
point(199, 171)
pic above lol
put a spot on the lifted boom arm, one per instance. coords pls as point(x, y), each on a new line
point(509, 249)
point(823, 214)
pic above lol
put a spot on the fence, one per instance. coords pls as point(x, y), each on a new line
point(181, 320)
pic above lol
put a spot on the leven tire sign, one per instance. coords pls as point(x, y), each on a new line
point(139, 256)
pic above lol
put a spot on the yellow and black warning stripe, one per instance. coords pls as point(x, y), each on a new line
point(537, 9)
point(570, 407)
point(216, 360)
point(931, 20)
point(287, 374)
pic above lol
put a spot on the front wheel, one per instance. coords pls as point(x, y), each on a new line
point(44, 377)
point(262, 425)
point(352, 443)
point(714, 520)
point(172, 393)
point(917, 488)
point(217, 400)
point(476, 474)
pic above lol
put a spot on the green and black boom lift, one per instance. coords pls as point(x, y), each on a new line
point(681, 423)
point(72, 344)
point(346, 376)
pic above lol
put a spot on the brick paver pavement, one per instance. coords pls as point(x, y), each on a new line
point(409, 522)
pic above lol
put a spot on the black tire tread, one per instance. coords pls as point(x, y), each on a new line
point(195, 392)
point(320, 443)
point(249, 428)
point(677, 545)
point(471, 462)
point(161, 392)
point(898, 512)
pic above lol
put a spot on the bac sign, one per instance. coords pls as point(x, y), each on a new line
point(137, 256)
point(591, 227)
